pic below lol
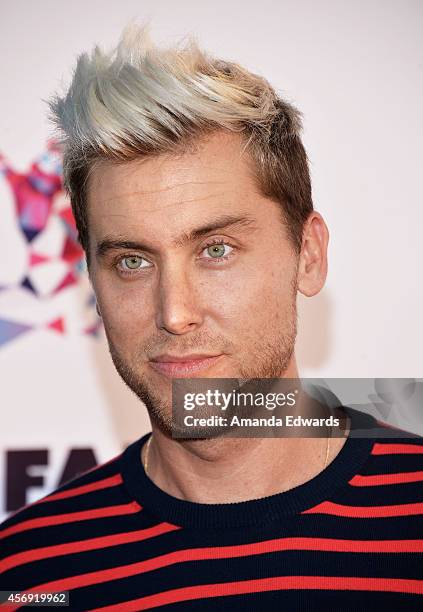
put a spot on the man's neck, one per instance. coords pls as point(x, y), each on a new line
point(236, 469)
point(227, 470)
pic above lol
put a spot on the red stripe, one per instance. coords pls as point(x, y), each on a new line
point(84, 545)
point(396, 449)
point(71, 517)
point(228, 552)
point(385, 479)
point(202, 591)
point(365, 511)
point(112, 481)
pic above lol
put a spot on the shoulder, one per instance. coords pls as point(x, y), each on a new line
point(73, 512)
point(398, 452)
point(388, 485)
point(392, 449)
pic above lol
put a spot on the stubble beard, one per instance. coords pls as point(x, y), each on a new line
point(271, 361)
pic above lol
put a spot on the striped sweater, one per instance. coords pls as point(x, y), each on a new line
point(348, 539)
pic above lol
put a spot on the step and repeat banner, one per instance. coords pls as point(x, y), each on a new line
point(64, 409)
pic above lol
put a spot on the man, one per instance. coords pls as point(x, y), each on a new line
point(191, 192)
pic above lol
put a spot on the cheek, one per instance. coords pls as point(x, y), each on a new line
point(256, 297)
point(124, 308)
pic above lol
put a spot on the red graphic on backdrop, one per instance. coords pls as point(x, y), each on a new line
point(41, 208)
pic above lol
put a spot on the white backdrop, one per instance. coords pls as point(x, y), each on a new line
point(354, 68)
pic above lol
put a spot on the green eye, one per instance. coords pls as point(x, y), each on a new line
point(216, 250)
point(132, 262)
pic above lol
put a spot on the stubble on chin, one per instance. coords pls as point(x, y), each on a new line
point(158, 407)
point(269, 360)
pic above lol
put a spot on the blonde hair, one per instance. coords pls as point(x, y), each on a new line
point(141, 100)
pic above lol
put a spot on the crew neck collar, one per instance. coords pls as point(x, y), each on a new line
point(253, 512)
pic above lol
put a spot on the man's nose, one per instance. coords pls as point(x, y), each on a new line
point(178, 305)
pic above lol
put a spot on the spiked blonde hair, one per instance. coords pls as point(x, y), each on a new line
point(141, 100)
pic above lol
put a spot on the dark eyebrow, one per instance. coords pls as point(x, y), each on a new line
point(223, 222)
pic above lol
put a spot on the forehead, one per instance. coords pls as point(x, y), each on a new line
point(166, 193)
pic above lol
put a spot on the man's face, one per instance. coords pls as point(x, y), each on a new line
point(230, 292)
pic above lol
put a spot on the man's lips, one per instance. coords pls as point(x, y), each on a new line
point(183, 365)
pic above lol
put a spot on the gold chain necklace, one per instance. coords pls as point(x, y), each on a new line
point(327, 450)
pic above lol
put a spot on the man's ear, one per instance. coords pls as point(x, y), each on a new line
point(313, 262)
